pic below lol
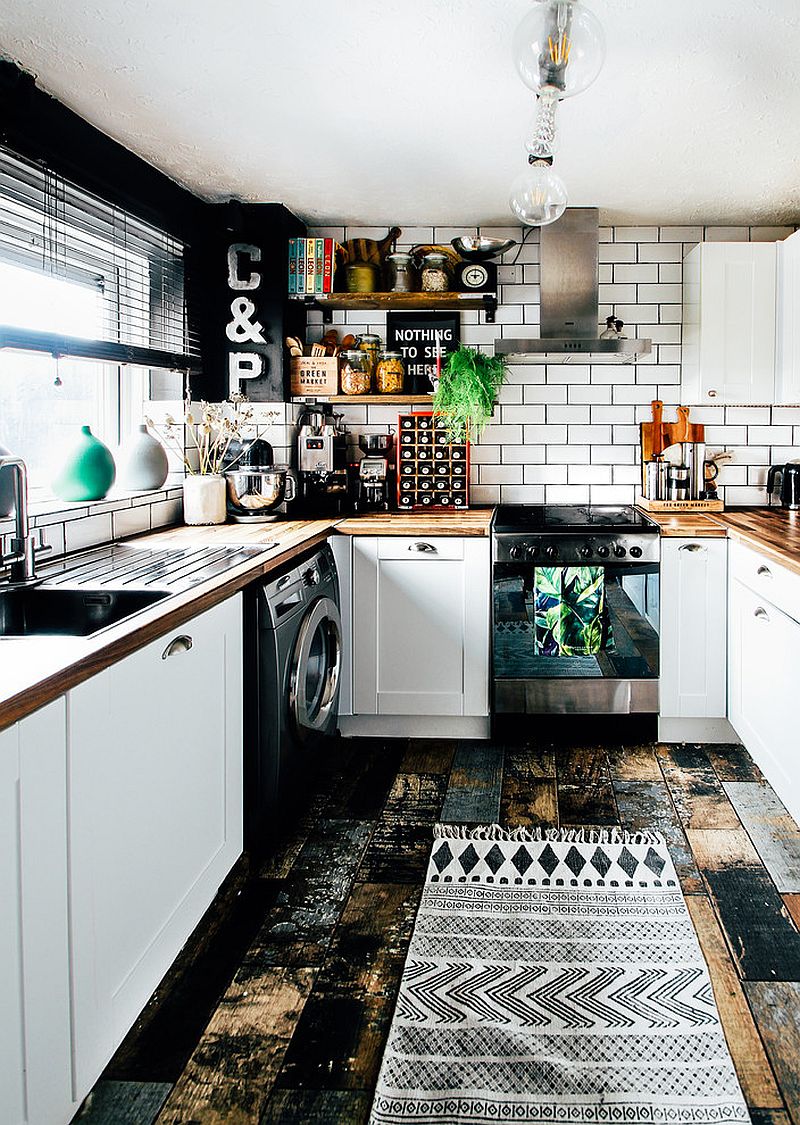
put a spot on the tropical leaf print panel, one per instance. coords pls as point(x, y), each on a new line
point(571, 616)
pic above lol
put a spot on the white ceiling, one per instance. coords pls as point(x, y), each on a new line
point(410, 111)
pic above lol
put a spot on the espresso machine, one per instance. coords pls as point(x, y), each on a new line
point(375, 482)
point(322, 461)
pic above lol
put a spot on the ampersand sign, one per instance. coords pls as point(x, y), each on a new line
point(241, 328)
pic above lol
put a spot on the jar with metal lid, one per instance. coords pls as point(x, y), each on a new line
point(400, 274)
point(370, 345)
point(361, 277)
point(435, 273)
point(390, 373)
point(355, 373)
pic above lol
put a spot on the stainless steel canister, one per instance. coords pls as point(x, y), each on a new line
point(663, 474)
point(651, 480)
point(678, 482)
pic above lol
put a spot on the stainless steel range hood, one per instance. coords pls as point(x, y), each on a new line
point(569, 321)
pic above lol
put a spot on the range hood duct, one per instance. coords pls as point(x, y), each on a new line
point(569, 317)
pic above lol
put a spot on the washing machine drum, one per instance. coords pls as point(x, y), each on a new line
point(315, 671)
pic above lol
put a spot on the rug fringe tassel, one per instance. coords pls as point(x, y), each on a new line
point(543, 835)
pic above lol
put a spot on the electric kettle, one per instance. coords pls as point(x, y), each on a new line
point(790, 484)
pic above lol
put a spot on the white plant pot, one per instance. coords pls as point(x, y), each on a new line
point(203, 499)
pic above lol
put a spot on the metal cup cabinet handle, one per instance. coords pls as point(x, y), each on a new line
point(762, 615)
point(177, 645)
point(764, 572)
point(692, 547)
point(423, 548)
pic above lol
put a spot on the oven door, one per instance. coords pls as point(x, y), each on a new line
point(618, 672)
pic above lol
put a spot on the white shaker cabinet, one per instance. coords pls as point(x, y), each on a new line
point(693, 635)
point(420, 640)
point(35, 1059)
point(764, 645)
point(728, 349)
point(155, 798)
point(788, 354)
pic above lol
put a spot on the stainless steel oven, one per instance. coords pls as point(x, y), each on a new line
point(575, 610)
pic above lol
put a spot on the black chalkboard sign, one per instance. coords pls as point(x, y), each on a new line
point(416, 336)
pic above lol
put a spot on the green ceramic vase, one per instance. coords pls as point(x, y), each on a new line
point(88, 472)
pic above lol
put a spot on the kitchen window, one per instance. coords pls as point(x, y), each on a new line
point(92, 316)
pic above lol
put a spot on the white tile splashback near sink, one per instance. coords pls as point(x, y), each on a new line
point(567, 432)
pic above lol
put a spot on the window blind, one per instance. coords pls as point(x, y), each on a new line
point(52, 226)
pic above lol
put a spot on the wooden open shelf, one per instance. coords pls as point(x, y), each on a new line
point(445, 302)
point(374, 400)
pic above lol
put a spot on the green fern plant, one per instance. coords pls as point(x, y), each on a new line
point(467, 391)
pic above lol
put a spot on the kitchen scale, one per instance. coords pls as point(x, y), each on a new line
point(477, 274)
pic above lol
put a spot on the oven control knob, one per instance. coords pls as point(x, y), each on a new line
point(586, 552)
point(619, 551)
point(531, 553)
point(516, 552)
point(552, 552)
point(603, 552)
point(636, 552)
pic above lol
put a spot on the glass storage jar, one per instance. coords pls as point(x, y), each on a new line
point(390, 374)
point(400, 277)
point(355, 373)
point(435, 273)
point(370, 346)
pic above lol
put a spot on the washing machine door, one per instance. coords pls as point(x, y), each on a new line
point(316, 670)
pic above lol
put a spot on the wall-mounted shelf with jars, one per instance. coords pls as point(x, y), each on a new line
point(445, 302)
point(373, 400)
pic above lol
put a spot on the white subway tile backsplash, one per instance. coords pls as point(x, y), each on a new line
point(576, 414)
point(726, 234)
point(567, 432)
point(88, 532)
point(130, 521)
point(529, 414)
point(770, 234)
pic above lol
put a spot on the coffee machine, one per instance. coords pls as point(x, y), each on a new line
point(322, 461)
point(374, 483)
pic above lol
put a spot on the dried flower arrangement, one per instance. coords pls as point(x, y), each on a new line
point(209, 433)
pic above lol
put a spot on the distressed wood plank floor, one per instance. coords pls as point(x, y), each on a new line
point(278, 1010)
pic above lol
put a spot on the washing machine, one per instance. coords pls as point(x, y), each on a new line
point(294, 665)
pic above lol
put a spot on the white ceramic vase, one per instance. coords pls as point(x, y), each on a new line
point(143, 462)
point(203, 499)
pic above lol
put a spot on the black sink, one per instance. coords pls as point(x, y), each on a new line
point(42, 611)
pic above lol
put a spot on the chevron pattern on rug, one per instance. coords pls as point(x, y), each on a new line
point(554, 977)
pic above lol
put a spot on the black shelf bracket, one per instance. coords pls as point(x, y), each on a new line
point(311, 302)
point(490, 306)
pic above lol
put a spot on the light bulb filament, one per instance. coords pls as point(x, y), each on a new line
point(559, 50)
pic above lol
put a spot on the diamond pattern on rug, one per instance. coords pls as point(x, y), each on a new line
point(555, 981)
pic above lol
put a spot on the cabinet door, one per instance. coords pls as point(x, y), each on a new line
point(155, 817)
point(35, 1038)
point(421, 626)
point(729, 322)
point(693, 628)
point(788, 302)
point(764, 644)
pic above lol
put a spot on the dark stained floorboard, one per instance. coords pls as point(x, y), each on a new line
point(282, 1011)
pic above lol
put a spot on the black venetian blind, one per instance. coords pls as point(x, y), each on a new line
point(50, 225)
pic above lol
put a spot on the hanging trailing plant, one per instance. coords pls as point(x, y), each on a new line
point(467, 391)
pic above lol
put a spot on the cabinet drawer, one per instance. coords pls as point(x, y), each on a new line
point(769, 580)
point(420, 547)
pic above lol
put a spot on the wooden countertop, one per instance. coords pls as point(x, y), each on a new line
point(36, 670)
point(475, 522)
point(772, 531)
point(687, 524)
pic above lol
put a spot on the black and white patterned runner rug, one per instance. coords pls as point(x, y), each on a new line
point(554, 977)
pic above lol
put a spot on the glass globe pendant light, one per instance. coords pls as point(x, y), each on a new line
point(538, 196)
point(559, 49)
point(559, 44)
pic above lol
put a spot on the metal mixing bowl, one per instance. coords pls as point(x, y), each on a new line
point(255, 494)
point(481, 249)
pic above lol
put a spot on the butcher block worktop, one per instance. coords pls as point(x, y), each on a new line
point(687, 524)
point(35, 670)
point(773, 531)
point(475, 522)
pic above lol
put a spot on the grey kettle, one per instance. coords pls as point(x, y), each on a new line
point(789, 487)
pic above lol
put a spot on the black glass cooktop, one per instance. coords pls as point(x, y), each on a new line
point(571, 518)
